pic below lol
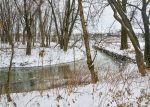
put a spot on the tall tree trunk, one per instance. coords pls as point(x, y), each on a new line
point(66, 25)
point(34, 31)
point(125, 22)
point(29, 41)
point(9, 75)
point(70, 26)
point(42, 34)
point(124, 39)
point(90, 64)
point(145, 19)
point(60, 38)
point(8, 87)
point(17, 37)
point(24, 36)
point(28, 29)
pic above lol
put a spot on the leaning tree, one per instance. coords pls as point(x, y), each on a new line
point(122, 18)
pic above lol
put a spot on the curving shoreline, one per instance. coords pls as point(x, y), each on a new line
point(115, 56)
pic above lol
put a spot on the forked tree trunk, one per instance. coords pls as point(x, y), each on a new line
point(90, 64)
point(125, 22)
point(60, 39)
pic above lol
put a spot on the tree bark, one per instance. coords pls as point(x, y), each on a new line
point(90, 64)
point(124, 39)
point(28, 29)
point(125, 22)
point(66, 25)
point(145, 19)
point(29, 42)
point(60, 38)
point(42, 34)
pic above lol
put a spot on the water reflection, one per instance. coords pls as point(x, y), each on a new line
point(39, 78)
point(29, 79)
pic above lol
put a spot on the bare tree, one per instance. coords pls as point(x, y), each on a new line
point(145, 30)
point(64, 21)
point(124, 40)
point(56, 24)
point(146, 22)
point(122, 18)
point(42, 34)
point(27, 18)
point(90, 64)
point(9, 19)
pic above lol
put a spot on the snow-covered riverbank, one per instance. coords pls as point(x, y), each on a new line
point(113, 45)
point(118, 89)
point(52, 55)
point(121, 88)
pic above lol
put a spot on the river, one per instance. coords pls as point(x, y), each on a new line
point(41, 78)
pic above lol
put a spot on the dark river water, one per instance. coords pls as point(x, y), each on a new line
point(39, 78)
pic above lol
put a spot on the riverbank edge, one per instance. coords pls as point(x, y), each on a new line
point(115, 56)
point(52, 65)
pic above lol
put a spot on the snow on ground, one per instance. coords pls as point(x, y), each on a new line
point(113, 44)
point(116, 89)
point(125, 88)
point(52, 55)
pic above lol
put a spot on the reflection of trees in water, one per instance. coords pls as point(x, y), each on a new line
point(52, 76)
point(65, 70)
point(32, 83)
point(23, 80)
